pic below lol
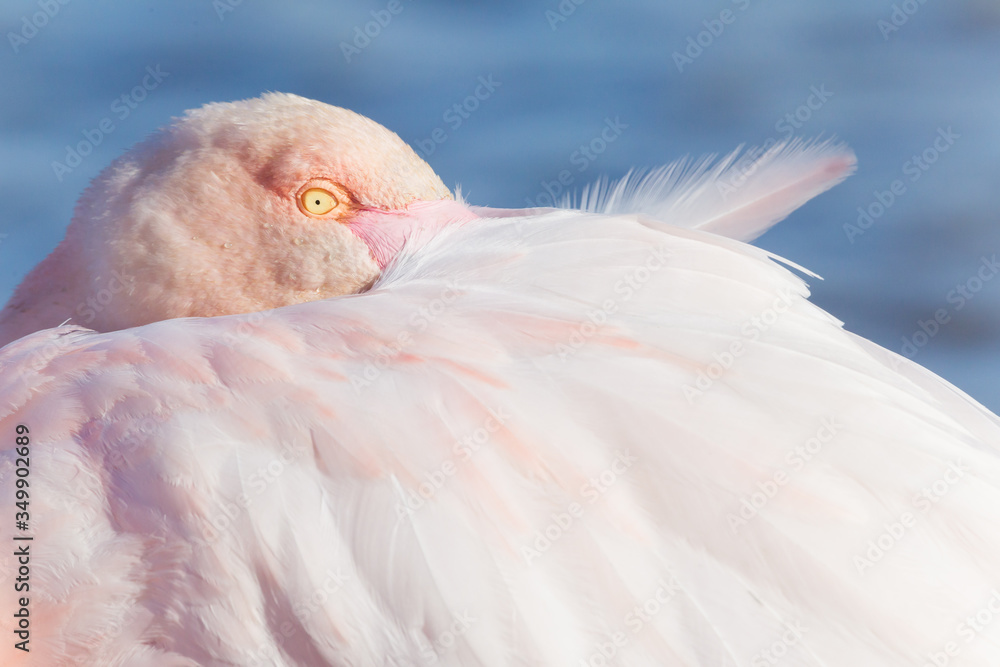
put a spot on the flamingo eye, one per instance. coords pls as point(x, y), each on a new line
point(318, 201)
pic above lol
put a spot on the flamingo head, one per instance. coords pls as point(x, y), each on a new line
point(234, 208)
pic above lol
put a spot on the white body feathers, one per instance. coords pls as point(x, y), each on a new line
point(555, 438)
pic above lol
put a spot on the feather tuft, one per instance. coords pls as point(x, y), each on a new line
point(740, 196)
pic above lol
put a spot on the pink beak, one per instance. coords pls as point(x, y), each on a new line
point(385, 232)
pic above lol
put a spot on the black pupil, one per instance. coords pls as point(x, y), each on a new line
point(317, 202)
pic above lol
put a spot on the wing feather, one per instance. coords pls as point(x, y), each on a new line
point(740, 196)
point(536, 440)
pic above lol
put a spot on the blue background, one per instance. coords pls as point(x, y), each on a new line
point(559, 80)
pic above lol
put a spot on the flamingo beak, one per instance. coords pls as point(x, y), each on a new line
point(386, 232)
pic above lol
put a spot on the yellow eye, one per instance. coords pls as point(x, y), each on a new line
point(318, 201)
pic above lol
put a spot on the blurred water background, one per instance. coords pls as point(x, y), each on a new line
point(888, 77)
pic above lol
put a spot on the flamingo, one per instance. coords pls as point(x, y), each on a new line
point(280, 398)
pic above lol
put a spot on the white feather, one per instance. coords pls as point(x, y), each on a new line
point(271, 470)
point(740, 196)
point(532, 442)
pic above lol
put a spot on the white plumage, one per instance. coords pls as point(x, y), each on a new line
point(540, 438)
